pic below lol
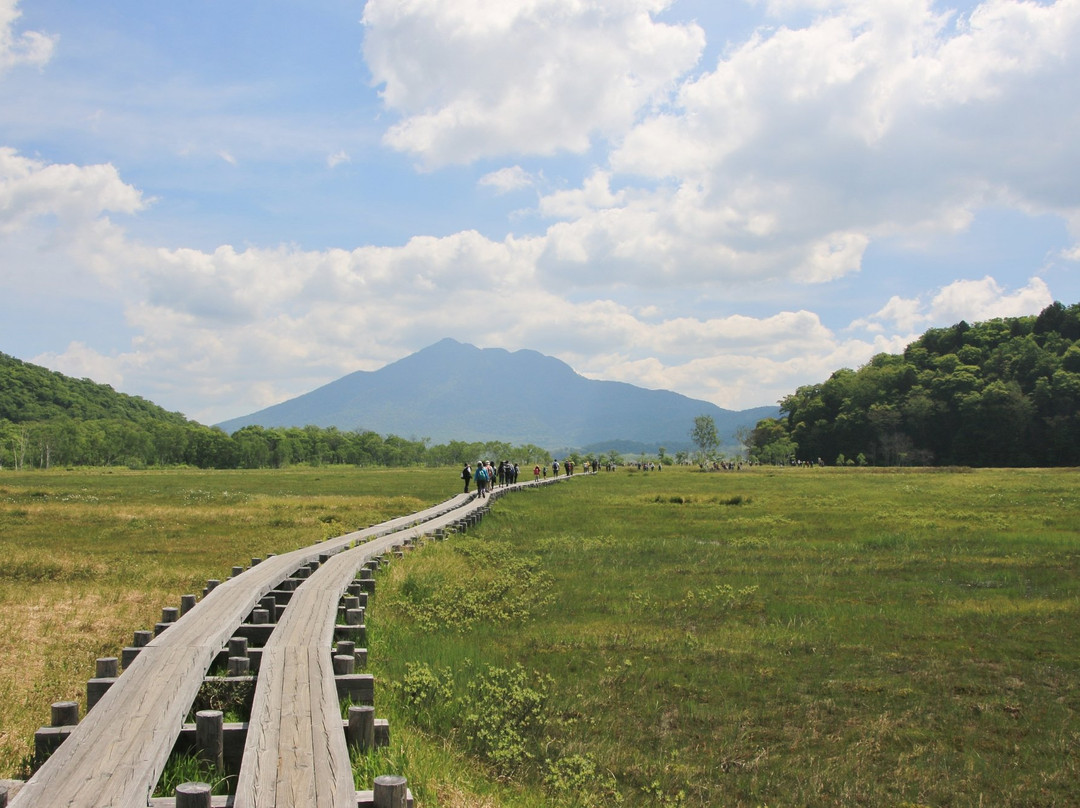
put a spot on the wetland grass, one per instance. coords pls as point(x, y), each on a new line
point(779, 637)
point(769, 637)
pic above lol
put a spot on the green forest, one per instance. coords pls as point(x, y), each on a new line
point(48, 419)
point(1005, 392)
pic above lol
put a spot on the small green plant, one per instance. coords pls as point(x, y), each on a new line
point(505, 715)
point(421, 687)
point(738, 499)
point(190, 768)
point(458, 586)
point(577, 778)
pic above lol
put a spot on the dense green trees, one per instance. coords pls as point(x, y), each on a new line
point(1005, 392)
point(48, 419)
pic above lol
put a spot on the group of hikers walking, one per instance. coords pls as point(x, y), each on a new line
point(487, 474)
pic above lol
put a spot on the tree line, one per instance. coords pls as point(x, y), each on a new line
point(48, 419)
point(1005, 392)
point(141, 444)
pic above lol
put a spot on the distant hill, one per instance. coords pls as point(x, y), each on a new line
point(1004, 392)
point(31, 393)
point(453, 391)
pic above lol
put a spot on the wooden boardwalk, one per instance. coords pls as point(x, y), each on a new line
point(295, 752)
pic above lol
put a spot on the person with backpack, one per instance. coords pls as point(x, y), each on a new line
point(466, 475)
point(481, 479)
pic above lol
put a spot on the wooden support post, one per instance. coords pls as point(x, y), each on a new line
point(354, 617)
point(96, 688)
point(107, 668)
point(142, 638)
point(390, 791)
point(256, 561)
point(361, 731)
point(187, 603)
point(238, 647)
point(239, 666)
point(193, 795)
point(64, 713)
point(260, 617)
point(169, 614)
point(344, 664)
point(210, 737)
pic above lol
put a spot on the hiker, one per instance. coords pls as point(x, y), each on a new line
point(536, 474)
point(481, 479)
point(466, 475)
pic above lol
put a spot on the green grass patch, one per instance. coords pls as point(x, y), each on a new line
point(779, 637)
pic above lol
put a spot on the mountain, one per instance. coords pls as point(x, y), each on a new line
point(453, 391)
point(31, 393)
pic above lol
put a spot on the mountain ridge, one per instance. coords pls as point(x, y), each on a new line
point(456, 391)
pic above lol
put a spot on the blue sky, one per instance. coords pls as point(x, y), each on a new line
point(221, 205)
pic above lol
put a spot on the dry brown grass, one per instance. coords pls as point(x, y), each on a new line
point(49, 642)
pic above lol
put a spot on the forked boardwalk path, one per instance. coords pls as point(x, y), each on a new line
point(295, 752)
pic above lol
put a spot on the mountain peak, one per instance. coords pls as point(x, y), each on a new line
point(453, 390)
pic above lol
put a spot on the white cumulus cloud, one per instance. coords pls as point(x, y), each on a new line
point(27, 47)
point(481, 78)
point(970, 300)
point(805, 143)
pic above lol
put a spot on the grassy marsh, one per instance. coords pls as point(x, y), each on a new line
point(779, 637)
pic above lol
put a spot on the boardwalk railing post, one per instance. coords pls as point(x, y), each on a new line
point(361, 732)
point(193, 795)
point(344, 664)
point(64, 713)
point(390, 791)
point(210, 737)
point(238, 646)
point(47, 739)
